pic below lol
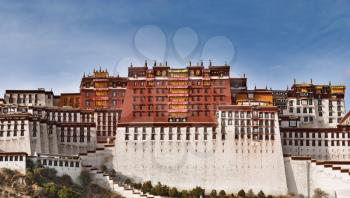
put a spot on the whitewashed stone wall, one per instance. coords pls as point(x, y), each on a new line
point(320, 111)
point(13, 161)
point(223, 164)
point(70, 165)
point(333, 145)
point(304, 176)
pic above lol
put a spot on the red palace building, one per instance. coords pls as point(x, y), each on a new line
point(164, 94)
point(101, 91)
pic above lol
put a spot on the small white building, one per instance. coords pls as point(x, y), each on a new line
point(14, 161)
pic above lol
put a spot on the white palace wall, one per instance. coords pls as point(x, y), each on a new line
point(14, 161)
point(216, 163)
point(304, 176)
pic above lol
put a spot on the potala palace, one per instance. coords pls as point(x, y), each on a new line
point(184, 127)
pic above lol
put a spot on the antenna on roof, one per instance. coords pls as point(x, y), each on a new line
point(145, 63)
point(190, 64)
point(311, 81)
point(131, 64)
point(201, 62)
point(166, 63)
point(209, 63)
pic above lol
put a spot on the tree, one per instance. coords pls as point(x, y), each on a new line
point(222, 193)
point(30, 164)
point(127, 181)
point(213, 194)
point(318, 193)
point(66, 192)
point(241, 193)
point(198, 191)
point(51, 190)
point(147, 187)
point(261, 194)
point(39, 193)
point(66, 180)
point(250, 194)
point(185, 194)
point(173, 192)
point(85, 178)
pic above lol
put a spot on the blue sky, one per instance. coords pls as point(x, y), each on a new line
point(51, 44)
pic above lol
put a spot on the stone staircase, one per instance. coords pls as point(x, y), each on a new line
point(93, 160)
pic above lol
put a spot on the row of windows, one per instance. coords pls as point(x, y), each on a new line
point(104, 133)
point(162, 129)
point(247, 114)
point(164, 83)
point(248, 122)
point(63, 117)
point(162, 114)
point(89, 102)
point(174, 90)
point(171, 136)
point(15, 126)
point(254, 130)
point(24, 99)
point(75, 138)
point(316, 142)
point(11, 158)
point(14, 133)
point(59, 163)
point(315, 135)
point(310, 102)
point(110, 84)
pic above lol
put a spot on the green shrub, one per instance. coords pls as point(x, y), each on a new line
point(222, 193)
point(147, 187)
point(198, 191)
point(66, 180)
point(85, 178)
point(185, 194)
point(250, 194)
point(213, 193)
point(51, 190)
point(173, 192)
point(318, 193)
point(261, 194)
point(241, 193)
point(66, 192)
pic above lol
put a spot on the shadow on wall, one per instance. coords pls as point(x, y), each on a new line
point(291, 181)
